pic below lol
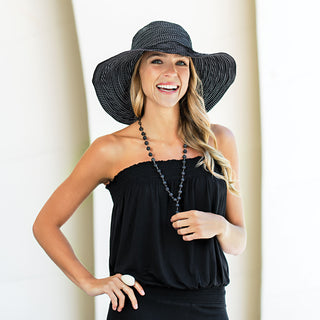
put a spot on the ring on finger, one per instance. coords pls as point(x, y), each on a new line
point(128, 280)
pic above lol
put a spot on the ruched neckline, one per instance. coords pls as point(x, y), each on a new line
point(147, 163)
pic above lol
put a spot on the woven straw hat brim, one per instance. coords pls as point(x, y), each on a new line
point(112, 79)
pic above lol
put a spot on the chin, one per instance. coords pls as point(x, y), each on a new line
point(169, 104)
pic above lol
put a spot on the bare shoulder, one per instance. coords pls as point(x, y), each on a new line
point(225, 137)
point(116, 151)
point(226, 144)
point(111, 145)
point(108, 149)
point(106, 146)
point(95, 164)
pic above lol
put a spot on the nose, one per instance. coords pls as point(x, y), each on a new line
point(170, 69)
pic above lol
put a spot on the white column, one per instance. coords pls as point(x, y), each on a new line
point(44, 131)
point(107, 28)
point(289, 77)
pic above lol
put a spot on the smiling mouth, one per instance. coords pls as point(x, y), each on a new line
point(167, 87)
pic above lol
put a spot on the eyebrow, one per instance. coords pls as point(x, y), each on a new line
point(156, 54)
point(161, 54)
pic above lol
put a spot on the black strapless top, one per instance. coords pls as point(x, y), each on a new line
point(143, 242)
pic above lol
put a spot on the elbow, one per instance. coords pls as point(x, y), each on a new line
point(242, 244)
point(43, 227)
point(235, 251)
point(241, 247)
point(36, 229)
point(238, 245)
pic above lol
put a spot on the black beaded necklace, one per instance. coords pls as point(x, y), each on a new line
point(175, 199)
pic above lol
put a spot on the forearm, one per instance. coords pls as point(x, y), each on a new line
point(233, 238)
point(55, 244)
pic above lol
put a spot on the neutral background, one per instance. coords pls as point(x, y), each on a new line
point(44, 131)
point(289, 86)
point(50, 115)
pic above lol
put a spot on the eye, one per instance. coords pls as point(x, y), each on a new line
point(156, 61)
point(182, 63)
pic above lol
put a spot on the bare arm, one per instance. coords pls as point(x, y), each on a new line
point(92, 169)
point(230, 231)
point(58, 209)
point(233, 236)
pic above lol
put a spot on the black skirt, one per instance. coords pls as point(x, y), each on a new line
point(174, 304)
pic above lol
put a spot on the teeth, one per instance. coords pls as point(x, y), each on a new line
point(167, 87)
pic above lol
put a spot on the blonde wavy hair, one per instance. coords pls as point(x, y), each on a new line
point(194, 124)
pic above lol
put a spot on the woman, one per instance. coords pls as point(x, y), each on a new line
point(173, 179)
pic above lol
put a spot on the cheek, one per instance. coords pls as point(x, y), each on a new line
point(144, 82)
point(147, 79)
point(185, 81)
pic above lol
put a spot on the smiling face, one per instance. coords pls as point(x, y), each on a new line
point(164, 78)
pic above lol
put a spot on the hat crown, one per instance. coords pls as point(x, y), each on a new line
point(156, 33)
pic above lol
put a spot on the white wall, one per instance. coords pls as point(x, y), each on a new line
point(43, 128)
point(289, 74)
point(106, 28)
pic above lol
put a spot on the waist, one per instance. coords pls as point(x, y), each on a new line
point(212, 295)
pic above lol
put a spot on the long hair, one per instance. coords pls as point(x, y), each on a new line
point(194, 124)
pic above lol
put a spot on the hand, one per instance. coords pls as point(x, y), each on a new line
point(195, 224)
point(114, 288)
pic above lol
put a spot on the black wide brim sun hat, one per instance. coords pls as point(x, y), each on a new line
point(112, 77)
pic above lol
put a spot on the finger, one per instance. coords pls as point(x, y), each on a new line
point(118, 275)
point(113, 299)
point(129, 292)
point(121, 298)
point(189, 237)
point(180, 216)
point(139, 288)
point(181, 223)
point(118, 285)
point(118, 282)
point(185, 231)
